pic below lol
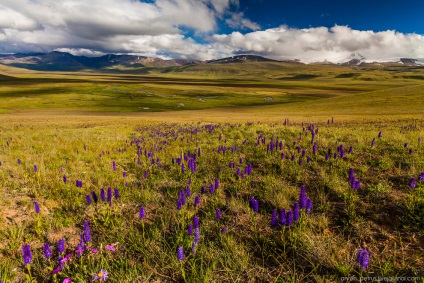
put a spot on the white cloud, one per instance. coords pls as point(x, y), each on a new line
point(318, 44)
point(130, 26)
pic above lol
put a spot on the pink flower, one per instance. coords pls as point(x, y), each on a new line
point(57, 270)
point(94, 250)
point(67, 280)
point(110, 248)
point(66, 258)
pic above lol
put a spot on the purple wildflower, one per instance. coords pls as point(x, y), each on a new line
point(188, 192)
point(412, 183)
point(64, 179)
point(26, 254)
point(109, 194)
point(289, 218)
point(380, 134)
point(87, 232)
point(47, 250)
point(94, 196)
point(282, 217)
point(88, 198)
point(102, 275)
point(19, 161)
point(362, 258)
point(35, 168)
point(196, 201)
point(405, 145)
point(373, 142)
point(223, 230)
point(142, 213)
point(196, 235)
point(102, 194)
point(114, 165)
point(190, 230)
point(116, 193)
point(196, 221)
point(218, 214)
point(124, 174)
point(421, 177)
point(308, 206)
point(36, 207)
point(216, 183)
point(274, 218)
point(61, 246)
point(180, 253)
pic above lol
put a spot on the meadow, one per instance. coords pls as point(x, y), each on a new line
point(285, 173)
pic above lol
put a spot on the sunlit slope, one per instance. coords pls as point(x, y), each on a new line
point(396, 101)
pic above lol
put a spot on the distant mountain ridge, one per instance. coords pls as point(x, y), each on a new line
point(63, 61)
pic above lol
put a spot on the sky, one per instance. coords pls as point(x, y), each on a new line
point(305, 30)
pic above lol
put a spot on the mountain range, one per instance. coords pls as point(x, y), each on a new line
point(62, 61)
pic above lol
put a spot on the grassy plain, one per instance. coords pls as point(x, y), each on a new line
point(77, 124)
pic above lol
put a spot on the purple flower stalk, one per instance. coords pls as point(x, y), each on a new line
point(26, 254)
point(47, 250)
point(412, 183)
point(19, 161)
point(196, 235)
point(363, 258)
point(223, 230)
point(216, 183)
point(142, 213)
point(190, 230)
point(218, 214)
point(180, 253)
point(87, 232)
point(35, 168)
point(373, 142)
point(109, 194)
point(114, 165)
point(116, 193)
point(36, 207)
point(61, 246)
point(196, 201)
point(88, 198)
point(196, 222)
point(94, 196)
point(64, 179)
point(289, 218)
point(308, 206)
point(421, 177)
point(124, 174)
point(282, 217)
point(188, 192)
point(102, 194)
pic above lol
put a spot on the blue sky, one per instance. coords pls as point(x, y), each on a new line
point(306, 30)
point(377, 15)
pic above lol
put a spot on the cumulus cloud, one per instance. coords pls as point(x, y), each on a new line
point(159, 28)
point(319, 44)
point(106, 25)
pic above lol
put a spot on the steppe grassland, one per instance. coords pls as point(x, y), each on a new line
point(320, 246)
